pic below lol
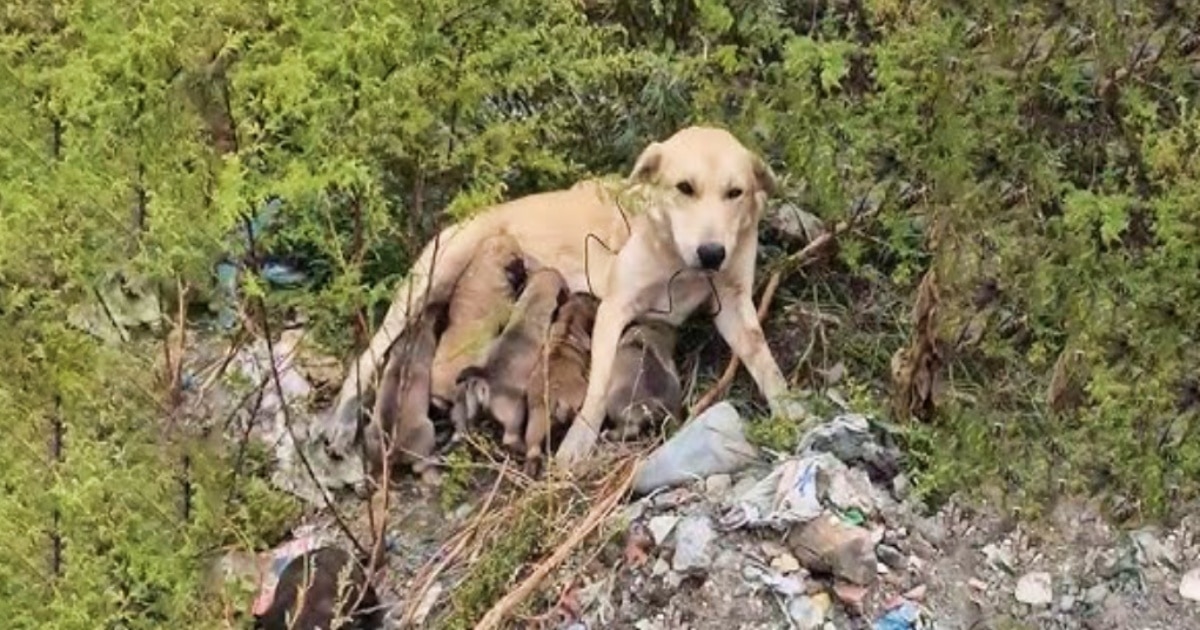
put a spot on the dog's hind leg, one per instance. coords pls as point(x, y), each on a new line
point(454, 247)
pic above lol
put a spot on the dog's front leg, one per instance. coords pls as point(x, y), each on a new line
point(737, 323)
point(611, 317)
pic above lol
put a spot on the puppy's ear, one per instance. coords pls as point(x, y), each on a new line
point(648, 163)
point(764, 176)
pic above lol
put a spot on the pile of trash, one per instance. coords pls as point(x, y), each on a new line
point(806, 533)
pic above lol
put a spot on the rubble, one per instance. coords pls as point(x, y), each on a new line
point(693, 539)
point(1189, 585)
point(827, 545)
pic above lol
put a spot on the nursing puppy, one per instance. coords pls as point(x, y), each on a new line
point(479, 307)
point(559, 380)
point(498, 387)
point(400, 430)
point(684, 229)
point(319, 586)
point(645, 387)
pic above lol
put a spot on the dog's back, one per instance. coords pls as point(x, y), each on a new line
point(645, 388)
point(318, 586)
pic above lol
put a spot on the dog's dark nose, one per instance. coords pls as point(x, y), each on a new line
point(711, 255)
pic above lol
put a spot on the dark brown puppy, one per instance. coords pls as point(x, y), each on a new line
point(400, 430)
point(558, 383)
point(318, 588)
point(499, 385)
point(480, 306)
point(645, 387)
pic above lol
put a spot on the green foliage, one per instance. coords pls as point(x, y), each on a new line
point(1040, 157)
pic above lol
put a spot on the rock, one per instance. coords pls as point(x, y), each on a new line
point(1151, 551)
point(1066, 603)
point(660, 568)
point(712, 443)
point(1096, 595)
point(916, 593)
point(977, 584)
point(693, 541)
point(772, 549)
point(795, 224)
point(661, 527)
point(892, 557)
point(717, 486)
point(900, 487)
point(808, 611)
point(1035, 589)
point(785, 563)
point(999, 557)
point(851, 596)
point(1189, 586)
point(827, 545)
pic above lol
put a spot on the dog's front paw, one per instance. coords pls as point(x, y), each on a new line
point(577, 444)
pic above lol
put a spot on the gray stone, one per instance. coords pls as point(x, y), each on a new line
point(1035, 589)
point(1096, 594)
point(892, 557)
point(693, 545)
point(661, 527)
point(717, 486)
point(1189, 586)
point(808, 613)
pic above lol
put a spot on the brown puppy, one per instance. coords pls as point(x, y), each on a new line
point(645, 387)
point(401, 430)
point(480, 305)
point(559, 379)
point(499, 385)
point(317, 586)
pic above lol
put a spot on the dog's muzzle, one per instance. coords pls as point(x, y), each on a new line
point(710, 255)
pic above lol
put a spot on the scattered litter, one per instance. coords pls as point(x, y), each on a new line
point(849, 437)
point(785, 585)
point(712, 443)
point(294, 452)
point(274, 561)
point(907, 616)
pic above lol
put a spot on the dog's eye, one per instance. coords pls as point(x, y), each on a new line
point(733, 193)
point(685, 188)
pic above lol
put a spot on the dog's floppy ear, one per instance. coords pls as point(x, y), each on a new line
point(764, 176)
point(647, 163)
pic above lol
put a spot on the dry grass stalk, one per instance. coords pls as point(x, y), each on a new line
point(611, 496)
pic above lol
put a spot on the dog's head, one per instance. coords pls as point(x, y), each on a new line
point(712, 191)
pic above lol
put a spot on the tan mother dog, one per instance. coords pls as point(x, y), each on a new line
point(699, 196)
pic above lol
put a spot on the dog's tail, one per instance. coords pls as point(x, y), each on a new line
point(429, 279)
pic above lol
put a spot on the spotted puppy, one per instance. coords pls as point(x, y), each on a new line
point(645, 388)
point(497, 387)
point(400, 430)
point(559, 380)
